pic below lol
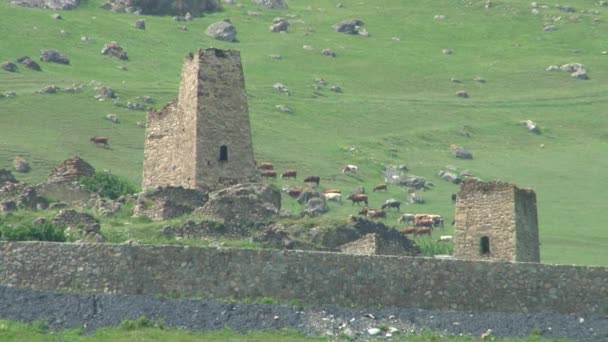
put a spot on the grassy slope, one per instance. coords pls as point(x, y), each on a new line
point(398, 105)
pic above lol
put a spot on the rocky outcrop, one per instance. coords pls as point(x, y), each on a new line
point(73, 218)
point(279, 25)
point(244, 204)
point(20, 164)
point(6, 177)
point(54, 56)
point(115, 50)
point(222, 30)
point(29, 199)
point(163, 203)
point(71, 170)
point(50, 4)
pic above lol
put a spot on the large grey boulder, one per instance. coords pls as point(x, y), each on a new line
point(244, 204)
point(54, 56)
point(50, 4)
point(351, 26)
point(460, 152)
point(222, 30)
point(9, 66)
point(274, 4)
point(316, 206)
point(279, 25)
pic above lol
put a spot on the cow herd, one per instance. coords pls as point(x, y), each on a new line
point(416, 224)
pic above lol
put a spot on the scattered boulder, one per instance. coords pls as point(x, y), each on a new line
point(351, 26)
point(284, 108)
point(54, 56)
point(115, 50)
point(328, 53)
point(479, 79)
point(316, 206)
point(104, 92)
point(29, 199)
point(460, 152)
point(273, 4)
point(188, 16)
point(40, 221)
point(280, 87)
point(462, 94)
point(73, 218)
point(7, 207)
point(50, 89)
point(30, 64)
point(140, 24)
point(112, 117)
point(6, 177)
point(439, 17)
point(49, 4)
point(108, 207)
point(244, 204)
point(532, 126)
point(20, 164)
point(10, 94)
point(308, 194)
point(56, 16)
point(335, 89)
point(279, 25)
point(580, 74)
point(567, 9)
point(168, 202)
point(9, 66)
point(450, 177)
point(308, 47)
point(85, 39)
point(222, 30)
point(549, 28)
point(275, 57)
point(446, 51)
point(414, 198)
point(71, 170)
point(255, 14)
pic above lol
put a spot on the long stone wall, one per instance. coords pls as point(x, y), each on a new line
point(311, 277)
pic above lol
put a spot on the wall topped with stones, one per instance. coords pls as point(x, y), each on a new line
point(312, 277)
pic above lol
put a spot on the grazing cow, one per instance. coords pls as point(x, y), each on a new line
point(294, 192)
point(266, 166)
point(312, 179)
point(269, 174)
point(426, 222)
point(409, 230)
point(437, 221)
point(332, 196)
point(350, 168)
point(99, 140)
point(356, 198)
point(332, 191)
point(363, 211)
point(381, 187)
point(392, 203)
point(289, 174)
point(423, 231)
point(371, 213)
point(407, 218)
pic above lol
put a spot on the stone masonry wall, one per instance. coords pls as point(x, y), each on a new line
point(223, 120)
point(485, 209)
point(312, 277)
point(526, 219)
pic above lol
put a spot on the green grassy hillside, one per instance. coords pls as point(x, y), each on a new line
point(398, 105)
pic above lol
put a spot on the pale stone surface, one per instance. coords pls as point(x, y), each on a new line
point(184, 140)
point(503, 213)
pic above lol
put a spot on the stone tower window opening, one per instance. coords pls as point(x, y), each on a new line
point(223, 153)
point(484, 244)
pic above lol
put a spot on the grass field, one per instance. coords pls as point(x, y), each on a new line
point(398, 105)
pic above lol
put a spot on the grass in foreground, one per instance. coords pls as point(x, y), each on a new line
point(143, 329)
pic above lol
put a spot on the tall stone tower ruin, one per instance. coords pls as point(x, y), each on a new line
point(496, 221)
point(202, 139)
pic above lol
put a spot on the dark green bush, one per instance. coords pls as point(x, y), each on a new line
point(32, 232)
point(141, 322)
point(108, 185)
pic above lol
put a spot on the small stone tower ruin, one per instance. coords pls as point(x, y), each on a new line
point(202, 139)
point(496, 221)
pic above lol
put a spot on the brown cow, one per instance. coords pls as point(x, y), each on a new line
point(409, 230)
point(295, 192)
point(381, 187)
point(356, 198)
point(269, 174)
point(312, 179)
point(376, 213)
point(99, 140)
point(423, 231)
point(289, 174)
point(428, 222)
point(266, 166)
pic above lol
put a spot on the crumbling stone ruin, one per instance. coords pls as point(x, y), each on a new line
point(71, 170)
point(496, 221)
point(202, 139)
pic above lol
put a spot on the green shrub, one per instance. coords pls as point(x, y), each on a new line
point(430, 247)
point(141, 322)
point(32, 232)
point(108, 185)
